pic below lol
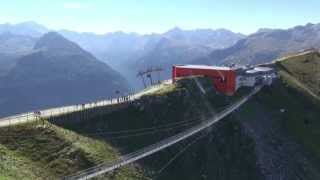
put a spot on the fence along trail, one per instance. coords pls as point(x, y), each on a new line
point(53, 112)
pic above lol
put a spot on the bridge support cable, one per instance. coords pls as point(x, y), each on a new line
point(149, 150)
point(206, 102)
point(181, 152)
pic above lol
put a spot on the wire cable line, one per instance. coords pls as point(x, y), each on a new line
point(181, 152)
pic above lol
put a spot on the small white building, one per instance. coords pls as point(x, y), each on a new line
point(253, 76)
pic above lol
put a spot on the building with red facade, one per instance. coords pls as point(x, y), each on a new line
point(225, 80)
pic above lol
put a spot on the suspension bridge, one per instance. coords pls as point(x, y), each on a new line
point(154, 148)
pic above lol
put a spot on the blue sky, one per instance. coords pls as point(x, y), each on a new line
point(146, 16)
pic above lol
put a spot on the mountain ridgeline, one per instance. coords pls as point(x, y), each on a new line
point(131, 53)
point(28, 28)
point(57, 72)
point(266, 45)
point(212, 47)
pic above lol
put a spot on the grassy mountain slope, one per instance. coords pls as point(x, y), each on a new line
point(44, 151)
point(301, 74)
point(305, 68)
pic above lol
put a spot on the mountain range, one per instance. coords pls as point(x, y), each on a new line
point(28, 28)
point(56, 72)
point(129, 53)
point(266, 45)
point(212, 47)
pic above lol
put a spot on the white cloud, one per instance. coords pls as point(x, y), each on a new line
point(73, 5)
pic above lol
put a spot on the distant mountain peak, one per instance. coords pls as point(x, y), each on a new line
point(310, 24)
point(29, 28)
point(29, 23)
point(48, 40)
point(52, 34)
point(175, 33)
point(175, 30)
point(263, 30)
point(56, 43)
point(222, 30)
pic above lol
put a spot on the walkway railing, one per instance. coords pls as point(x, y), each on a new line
point(53, 112)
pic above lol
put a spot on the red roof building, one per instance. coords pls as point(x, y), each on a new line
point(227, 80)
point(223, 78)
